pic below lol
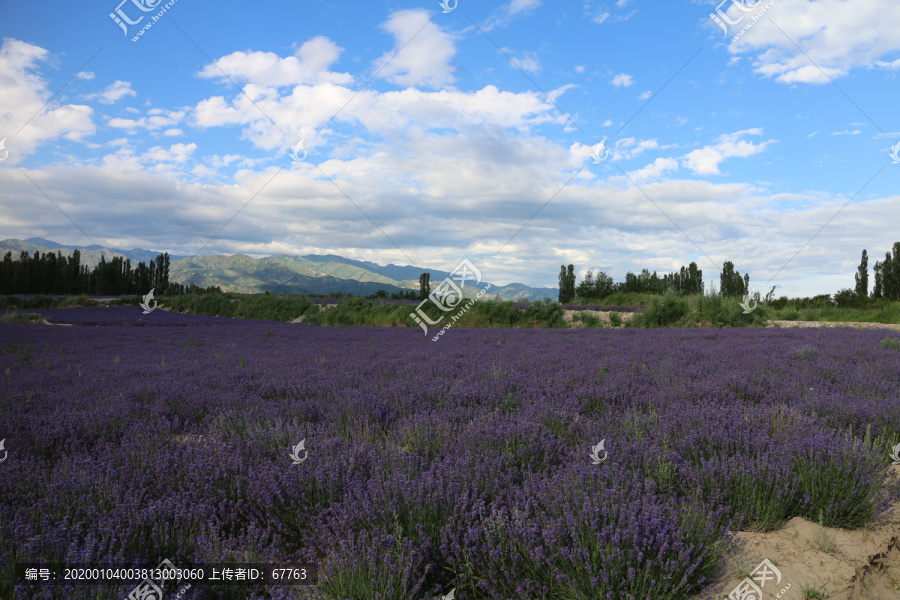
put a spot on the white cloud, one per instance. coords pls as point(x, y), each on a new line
point(309, 65)
point(892, 66)
point(158, 119)
point(654, 170)
point(623, 80)
point(705, 161)
point(177, 153)
point(627, 148)
point(836, 35)
point(113, 93)
point(426, 51)
point(854, 132)
point(27, 109)
point(527, 62)
point(506, 13)
point(645, 95)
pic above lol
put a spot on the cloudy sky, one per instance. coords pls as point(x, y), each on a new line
point(615, 135)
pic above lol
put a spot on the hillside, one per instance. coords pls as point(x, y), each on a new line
point(280, 274)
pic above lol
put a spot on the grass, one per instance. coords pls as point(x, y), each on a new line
point(886, 312)
point(891, 343)
point(811, 593)
point(823, 541)
point(17, 317)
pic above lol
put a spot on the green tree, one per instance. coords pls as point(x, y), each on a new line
point(585, 289)
point(595, 287)
point(566, 284)
point(890, 274)
point(424, 285)
point(877, 289)
point(862, 276)
point(732, 284)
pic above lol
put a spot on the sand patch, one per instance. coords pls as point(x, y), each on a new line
point(842, 564)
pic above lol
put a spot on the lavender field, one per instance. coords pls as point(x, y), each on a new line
point(464, 464)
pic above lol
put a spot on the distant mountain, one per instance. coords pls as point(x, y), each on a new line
point(392, 271)
point(41, 242)
point(90, 255)
point(314, 274)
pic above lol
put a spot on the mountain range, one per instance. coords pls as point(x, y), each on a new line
point(314, 274)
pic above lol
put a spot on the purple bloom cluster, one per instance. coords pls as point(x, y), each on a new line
point(111, 316)
point(430, 467)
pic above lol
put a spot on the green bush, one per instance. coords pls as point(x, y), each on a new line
point(551, 315)
point(666, 312)
point(18, 317)
point(588, 319)
point(502, 314)
point(891, 343)
point(615, 319)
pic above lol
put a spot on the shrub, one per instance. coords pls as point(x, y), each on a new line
point(550, 314)
point(667, 312)
point(18, 317)
point(615, 319)
point(891, 343)
point(588, 319)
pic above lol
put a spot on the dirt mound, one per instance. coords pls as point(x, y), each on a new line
point(842, 565)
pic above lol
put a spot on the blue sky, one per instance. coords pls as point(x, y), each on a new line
point(431, 137)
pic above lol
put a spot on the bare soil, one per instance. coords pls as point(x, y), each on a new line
point(603, 315)
point(831, 324)
point(861, 564)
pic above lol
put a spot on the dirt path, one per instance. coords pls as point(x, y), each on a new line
point(831, 324)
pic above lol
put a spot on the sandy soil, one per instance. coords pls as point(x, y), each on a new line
point(832, 324)
point(842, 565)
point(602, 314)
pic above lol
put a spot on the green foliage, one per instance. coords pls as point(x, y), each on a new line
point(862, 276)
point(566, 284)
point(41, 302)
point(508, 404)
point(263, 307)
point(615, 319)
point(847, 298)
point(813, 593)
point(551, 315)
point(728, 312)
point(592, 288)
point(732, 285)
point(668, 311)
point(588, 319)
point(891, 343)
point(18, 317)
point(424, 285)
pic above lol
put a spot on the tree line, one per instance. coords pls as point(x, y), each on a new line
point(50, 273)
point(688, 280)
point(886, 275)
